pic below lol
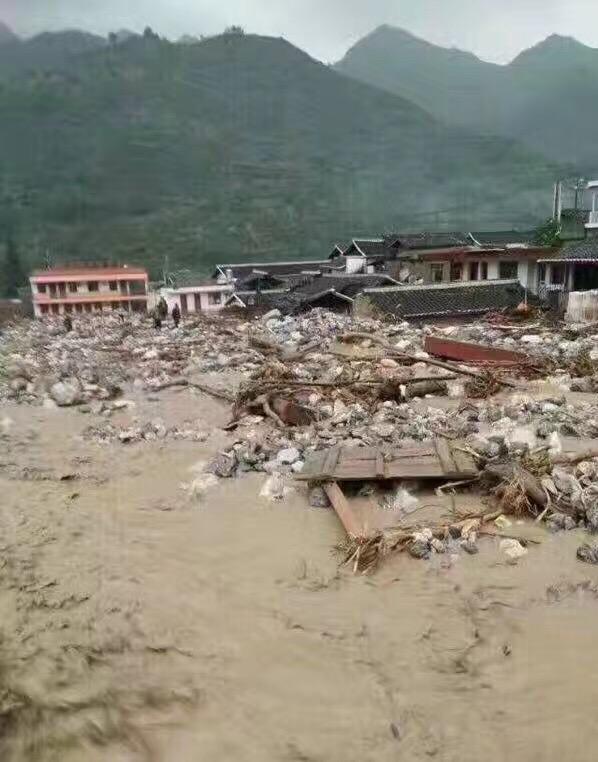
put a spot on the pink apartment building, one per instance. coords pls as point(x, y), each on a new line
point(88, 289)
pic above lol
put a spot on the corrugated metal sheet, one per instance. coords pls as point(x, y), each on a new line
point(582, 307)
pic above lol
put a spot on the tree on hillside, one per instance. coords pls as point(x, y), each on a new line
point(14, 272)
point(149, 34)
point(234, 30)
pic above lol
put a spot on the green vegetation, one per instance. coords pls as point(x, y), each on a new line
point(13, 274)
point(236, 148)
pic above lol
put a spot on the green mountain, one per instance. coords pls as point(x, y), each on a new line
point(45, 52)
point(547, 97)
point(238, 147)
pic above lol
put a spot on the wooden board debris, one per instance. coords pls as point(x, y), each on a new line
point(440, 459)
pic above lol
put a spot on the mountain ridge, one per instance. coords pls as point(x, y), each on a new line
point(238, 147)
point(542, 97)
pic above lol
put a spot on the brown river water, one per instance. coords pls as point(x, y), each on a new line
point(137, 624)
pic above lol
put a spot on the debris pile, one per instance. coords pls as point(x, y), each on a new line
point(305, 384)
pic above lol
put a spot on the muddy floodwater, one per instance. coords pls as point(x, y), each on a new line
point(137, 623)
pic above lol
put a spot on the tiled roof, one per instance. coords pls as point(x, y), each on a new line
point(244, 269)
point(446, 299)
point(369, 247)
point(349, 285)
point(581, 251)
point(503, 237)
point(427, 240)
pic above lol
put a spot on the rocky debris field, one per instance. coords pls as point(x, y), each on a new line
point(300, 384)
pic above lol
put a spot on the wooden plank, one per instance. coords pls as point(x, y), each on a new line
point(465, 351)
point(380, 466)
point(432, 460)
point(466, 465)
point(330, 462)
point(444, 455)
point(349, 519)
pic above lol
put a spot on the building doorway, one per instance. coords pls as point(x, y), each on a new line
point(184, 306)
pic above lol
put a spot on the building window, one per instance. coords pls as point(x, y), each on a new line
point(197, 302)
point(114, 305)
point(68, 308)
point(73, 288)
point(214, 299)
point(483, 270)
point(88, 308)
point(436, 273)
point(558, 274)
point(456, 271)
point(52, 289)
point(78, 308)
point(508, 270)
point(474, 269)
point(44, 308)
point(92, 285)
point(113, 285)
point(98, 307)
point(55, 309)
point(41, 288)
point(541, 273)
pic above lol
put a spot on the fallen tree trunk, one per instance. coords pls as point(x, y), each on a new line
point(185, 382)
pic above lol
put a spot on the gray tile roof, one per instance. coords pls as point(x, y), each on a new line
point(504, 237)
point(369, 247)
point(446, 299)
point(348, 285)
point(580, 251)
point(424, 240)
point(245, 269)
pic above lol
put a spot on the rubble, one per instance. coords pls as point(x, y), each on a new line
point(307, 383)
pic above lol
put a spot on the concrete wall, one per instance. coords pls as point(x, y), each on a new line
point(173, 297)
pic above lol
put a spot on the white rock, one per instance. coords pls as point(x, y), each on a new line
point(66, 393)
point(271, 315)
point(199, 486)
point(49, 404)
point(275, 488)
point(121, 404)
point(388, 362)
point(298, 466)
point(522, 437)
point(151, 354)
point(402, 345)
point(531, 339)
point(513, 549)
point(288, 456)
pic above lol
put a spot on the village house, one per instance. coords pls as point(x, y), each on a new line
point(86, 289)
point(194, 295)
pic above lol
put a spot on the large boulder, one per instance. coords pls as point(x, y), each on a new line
point(67, 392)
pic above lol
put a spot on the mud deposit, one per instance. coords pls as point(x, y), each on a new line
point(139, 624)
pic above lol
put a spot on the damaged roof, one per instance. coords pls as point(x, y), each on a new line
point(447, 298)
point(348, 285)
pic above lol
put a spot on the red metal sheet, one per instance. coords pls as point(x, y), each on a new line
point(475, 353)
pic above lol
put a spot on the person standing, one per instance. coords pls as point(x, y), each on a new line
point(176, 315)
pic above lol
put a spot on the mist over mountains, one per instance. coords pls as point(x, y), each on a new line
point(243, 147)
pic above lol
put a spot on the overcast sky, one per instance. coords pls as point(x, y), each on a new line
point(496, 30)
